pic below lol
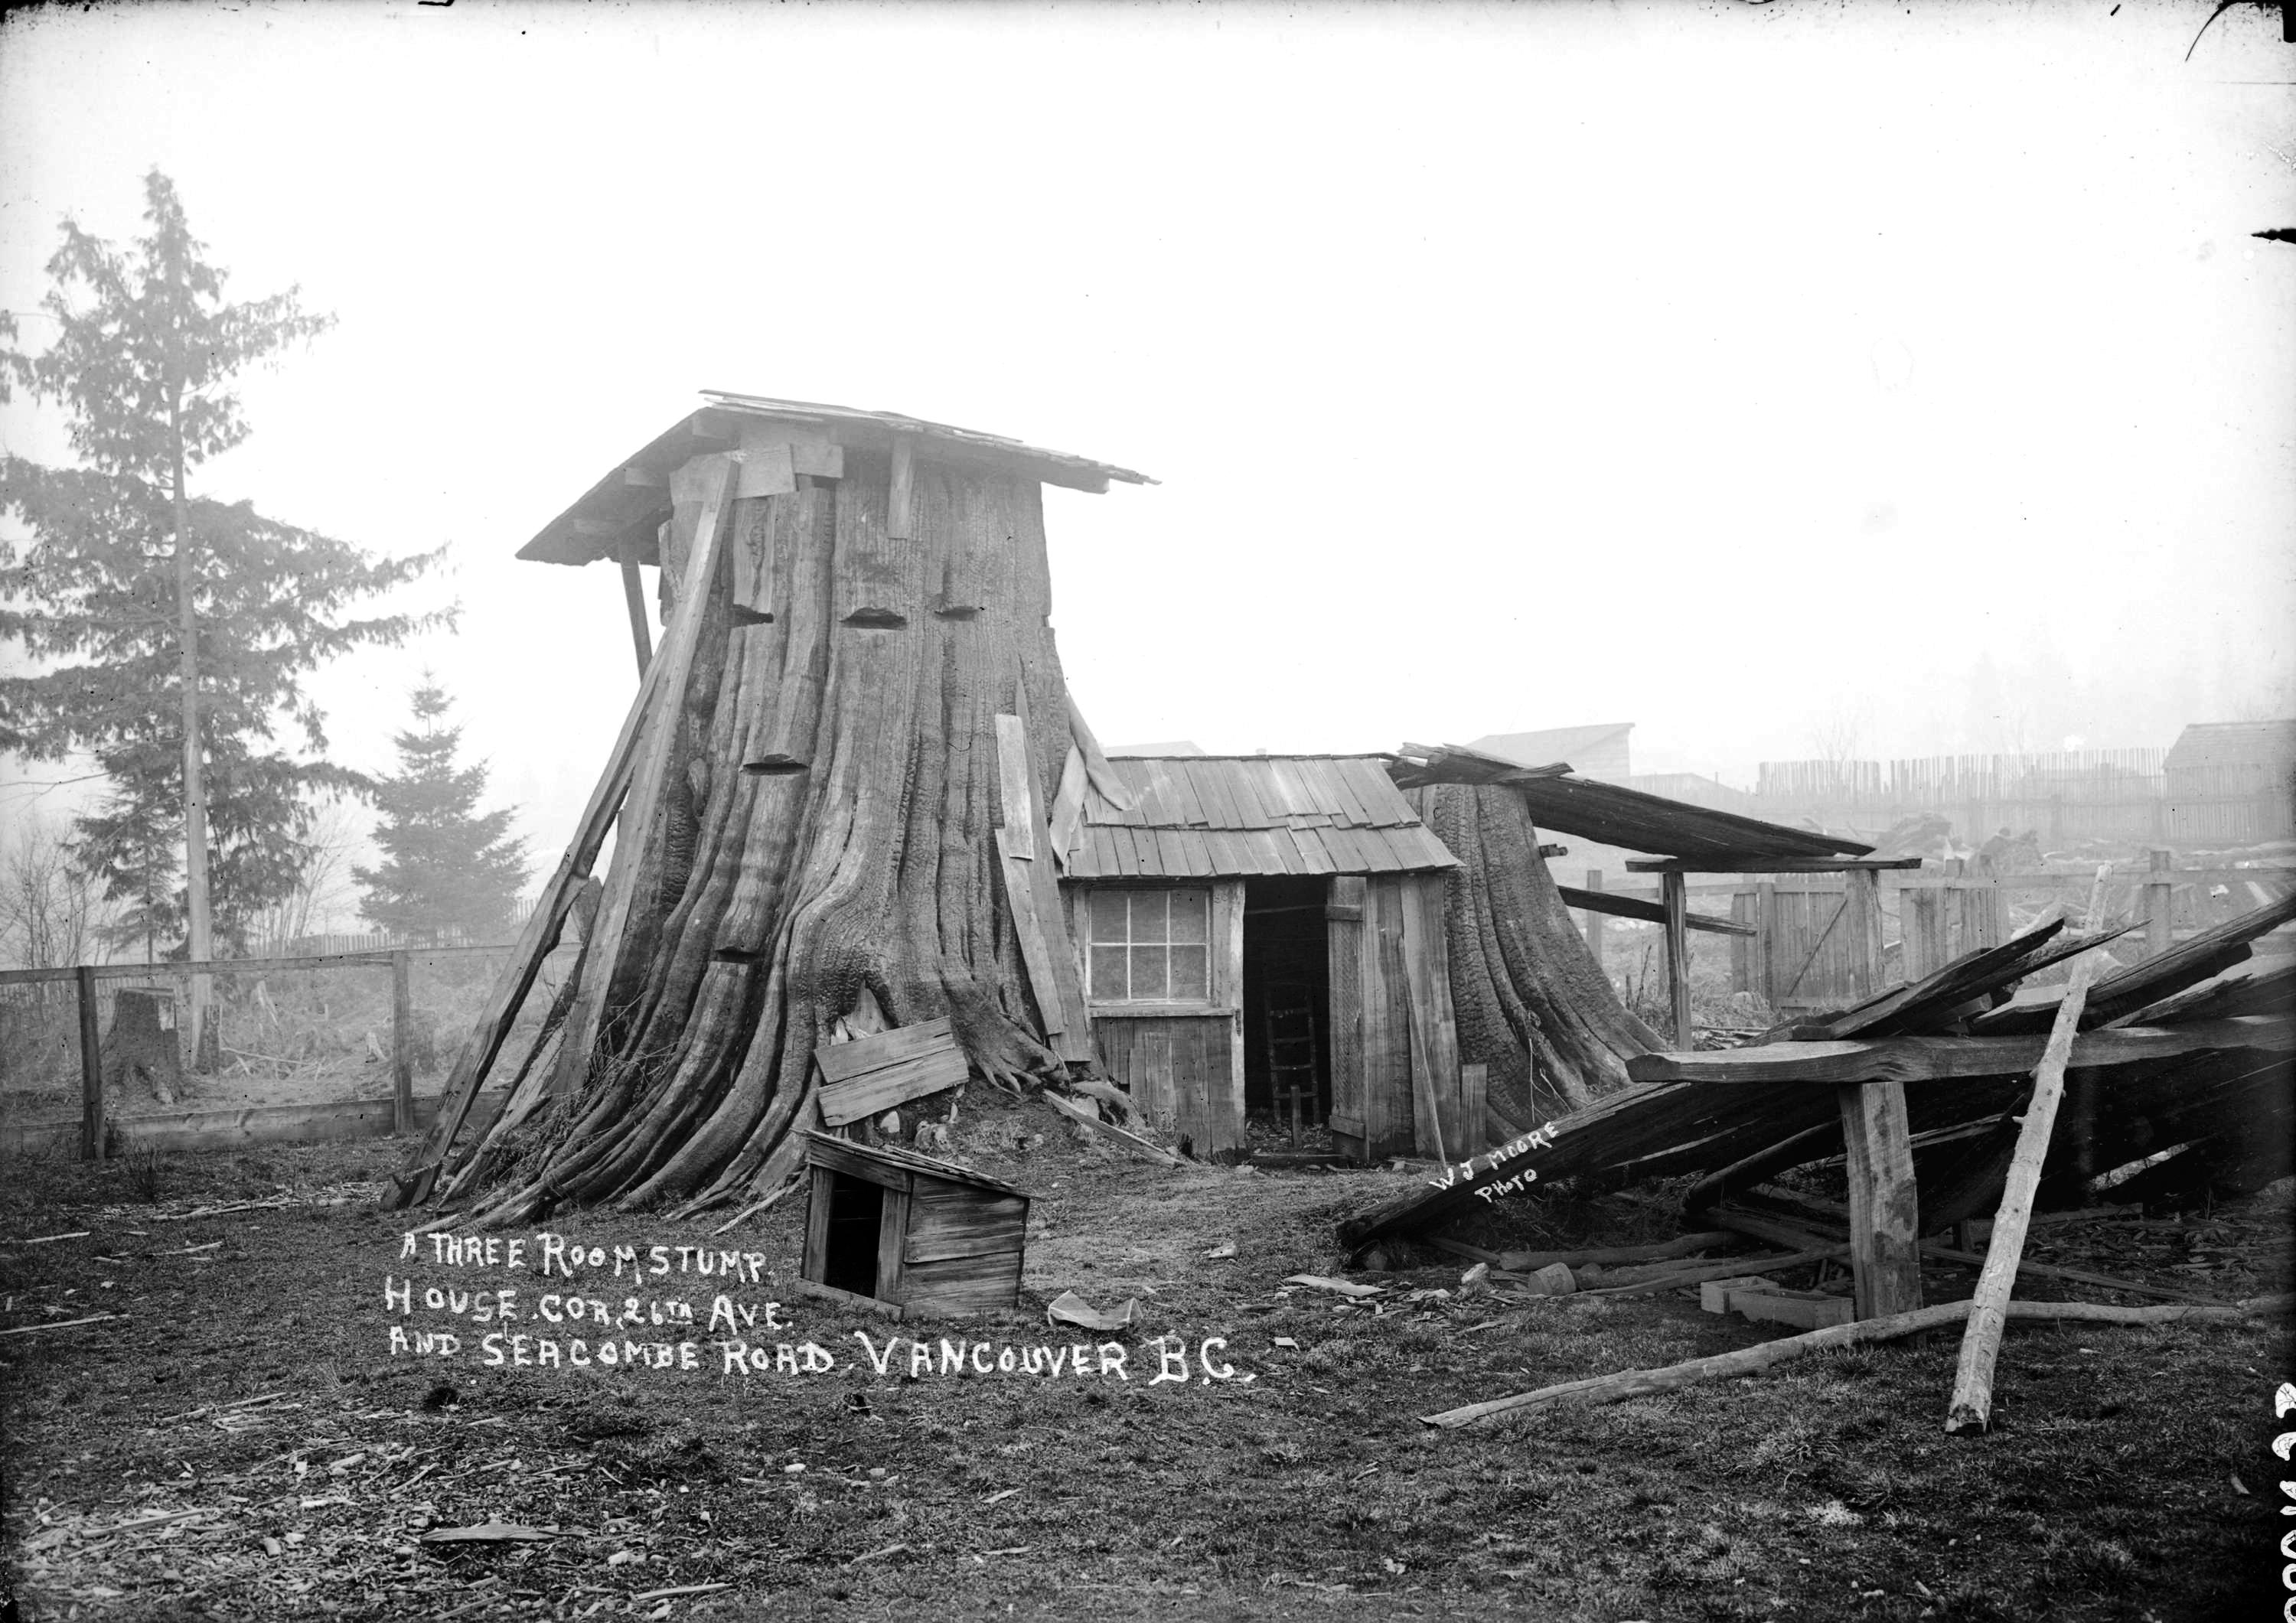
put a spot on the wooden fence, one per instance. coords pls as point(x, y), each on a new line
point(354, 1118)
point(1816, 944)
point(2090, 794)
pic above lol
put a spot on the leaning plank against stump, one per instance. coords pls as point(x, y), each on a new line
point(1981, 1343)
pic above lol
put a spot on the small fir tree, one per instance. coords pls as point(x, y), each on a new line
point(447, 867)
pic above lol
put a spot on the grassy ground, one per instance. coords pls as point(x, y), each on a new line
point(2128, 1478)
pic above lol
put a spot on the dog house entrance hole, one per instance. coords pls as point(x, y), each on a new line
point(857, 1209)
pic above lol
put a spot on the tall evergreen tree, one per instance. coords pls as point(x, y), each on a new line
point(446, 865)
point(175, 629)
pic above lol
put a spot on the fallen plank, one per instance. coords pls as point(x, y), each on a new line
point(1524, 1262)
point(1901, 1009)
point(2125, 991)
point(1085, 1116)
point(93, 1318)
point(1935, 1059)
point(1632, 907)
point(1747, 1361)
point(2027, 1268)
point(1724, 1270)
point(2244, 989)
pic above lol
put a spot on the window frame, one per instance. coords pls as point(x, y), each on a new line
point(1219, 973)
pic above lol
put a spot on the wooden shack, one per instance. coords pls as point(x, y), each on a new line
point(1261, 934)
point(897, 1231)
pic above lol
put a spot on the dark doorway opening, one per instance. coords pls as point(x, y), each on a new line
point(856, 1211)
point(1287, 1001)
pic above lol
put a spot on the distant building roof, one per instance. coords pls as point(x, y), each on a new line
point(1178, 746)
point(1577, 746)
point(1228, 815)
point(617, 516)
point(2232, 743)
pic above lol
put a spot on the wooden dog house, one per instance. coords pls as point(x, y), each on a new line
point(897, 1232)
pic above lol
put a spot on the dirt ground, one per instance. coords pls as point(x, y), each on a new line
point(236, 1438)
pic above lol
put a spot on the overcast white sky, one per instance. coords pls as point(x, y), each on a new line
point(1727, 369)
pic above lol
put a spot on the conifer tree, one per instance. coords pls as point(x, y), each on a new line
point(169, 632)
point(446, 865)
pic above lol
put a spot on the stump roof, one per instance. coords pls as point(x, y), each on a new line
point(623, 507)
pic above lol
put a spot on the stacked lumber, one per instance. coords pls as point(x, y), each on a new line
point(2188, 1050)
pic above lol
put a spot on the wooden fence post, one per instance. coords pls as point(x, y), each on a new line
point(1674, 894)
point(2160, 896)
point(1862, 889)
point(1595, 922)
point(1885, 1240)
point(91, 1069)
point(402, 1038)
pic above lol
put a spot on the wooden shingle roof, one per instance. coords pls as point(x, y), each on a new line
point(1228, 815)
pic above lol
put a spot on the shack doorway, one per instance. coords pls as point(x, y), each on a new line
point(857, 1211)
point(1287, 997)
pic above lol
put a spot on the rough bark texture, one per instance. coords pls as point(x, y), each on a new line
point(1531, 1004)
point(769, 903)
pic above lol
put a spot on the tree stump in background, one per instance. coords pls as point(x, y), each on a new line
point(141, 1048)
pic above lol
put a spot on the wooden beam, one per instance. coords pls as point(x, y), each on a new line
point(1748, 1360)
point(1597, 900)
point(1768, 865)
point(1595, 905)
point(1980, 1344)
point(634, 600)
point(1934, 1059)
point(1676, 906)
point(708, 482)
point(1012, 787)
point(1884, 1231)
point(412, 1182)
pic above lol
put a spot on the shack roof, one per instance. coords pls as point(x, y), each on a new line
point(1199, 816)
point(893, 1156)
point(2232, 743)
point(617, 517)
point(1615, 815)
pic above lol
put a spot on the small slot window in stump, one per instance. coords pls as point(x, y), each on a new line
point(909, 1235)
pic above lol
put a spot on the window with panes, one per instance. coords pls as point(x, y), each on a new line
point(1149, 946)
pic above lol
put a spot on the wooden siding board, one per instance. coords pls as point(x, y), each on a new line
point(1343, 951)
point(962, 1285)
point(947, 1222)
point(1386, 1031)
point(892, 1223)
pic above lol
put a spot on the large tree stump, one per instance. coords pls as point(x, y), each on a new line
point(1532, 1005)
point(826, 831)
point(142, 1046)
